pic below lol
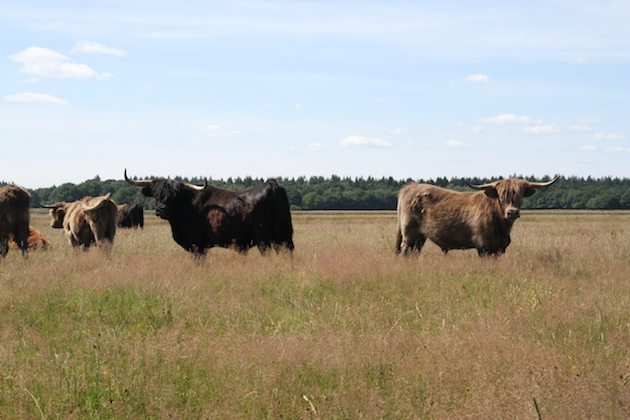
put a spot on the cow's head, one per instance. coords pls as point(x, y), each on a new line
point(169, 195)
point(57, 214)
point(510, 194)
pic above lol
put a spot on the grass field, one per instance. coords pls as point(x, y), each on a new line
point(344, 329)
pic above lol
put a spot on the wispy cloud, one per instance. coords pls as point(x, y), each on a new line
point(557, 128)
point(364, 141)
point(588, 148)
point(507, 119)
point(455, 144)
point(43, 62)
point(315, 147)
point(214, 130)
point(36, 98)
point(608, 136)
point(618, 149)
point(88, 47)
point(478, 78)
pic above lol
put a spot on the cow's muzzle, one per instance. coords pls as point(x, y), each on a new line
point(513, 214)
point(161, 211)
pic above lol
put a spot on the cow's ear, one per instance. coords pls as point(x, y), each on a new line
point(491, 192)
point(146, 191)
point(529, 191)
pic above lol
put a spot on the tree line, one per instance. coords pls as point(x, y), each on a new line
point(344, 193)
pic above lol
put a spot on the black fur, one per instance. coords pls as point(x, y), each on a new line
point(213, 217)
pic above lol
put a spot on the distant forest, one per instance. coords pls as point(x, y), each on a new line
point(337, 193)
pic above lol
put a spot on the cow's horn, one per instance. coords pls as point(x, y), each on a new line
point(196, 187)
point(482, 187)
point(543, 184)
point(139, 183)
point(46, 206)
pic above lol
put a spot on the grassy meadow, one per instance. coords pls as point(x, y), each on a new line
point(343, 329)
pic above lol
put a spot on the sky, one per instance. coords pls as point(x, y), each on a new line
point(408, 89)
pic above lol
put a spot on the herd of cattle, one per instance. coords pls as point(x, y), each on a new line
point(202, 217)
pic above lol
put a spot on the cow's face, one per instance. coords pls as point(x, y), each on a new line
point(169, 196)
point(57, 214)
point(510, 194)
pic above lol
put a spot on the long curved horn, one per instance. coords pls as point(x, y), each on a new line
point(543, 184)
point(52, 206)
point(139, 183)
point(482, 187)
point(196, 187)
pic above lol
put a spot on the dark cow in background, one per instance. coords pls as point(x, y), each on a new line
point(15, 216)
point(89, 221)
point(461, 220)
point(35, 240)
point(130, 216)
point(202, 217)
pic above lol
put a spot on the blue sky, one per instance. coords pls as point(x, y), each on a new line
point(415, 89)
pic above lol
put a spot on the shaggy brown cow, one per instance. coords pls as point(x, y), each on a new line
point(35, 240)
point(130, 216)
point(15, 216)
point(461, 220)
point(91, 220)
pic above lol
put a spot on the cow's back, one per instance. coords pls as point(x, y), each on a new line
point(76, 226)
point(15, 203)
point(101, 214)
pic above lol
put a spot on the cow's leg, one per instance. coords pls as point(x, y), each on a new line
point(411, 239)
point(488, 252)
point(198, 253)
point(20, 236)
point(399, 240)
point(4, 246)
point(286, 245)
point(420, 240)
point(263, 247)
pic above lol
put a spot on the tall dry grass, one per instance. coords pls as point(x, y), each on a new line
point(342, 329)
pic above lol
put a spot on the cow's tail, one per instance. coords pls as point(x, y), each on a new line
point(282, 233)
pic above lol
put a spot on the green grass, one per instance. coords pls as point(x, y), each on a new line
point(343, 329)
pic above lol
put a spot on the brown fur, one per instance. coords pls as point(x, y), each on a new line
point(459, 220)
point(35, 240)
point(89, 221)
point(15, 204)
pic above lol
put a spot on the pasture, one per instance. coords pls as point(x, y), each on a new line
point(343, 329)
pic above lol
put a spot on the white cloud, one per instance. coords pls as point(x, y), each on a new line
point(213, 130)
point(608, 136)
point(364, 141)
point(540, 129)
point(478, 78)
point(298, 106)
point(507, 119)
point(37, 98)
point(618, 149)
point(588, 148)
point(473, 129)
point(557, 128)
point(315, 147)
point(88, 47)
point(455, 144)
point(43, 62)
point(398, 131)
